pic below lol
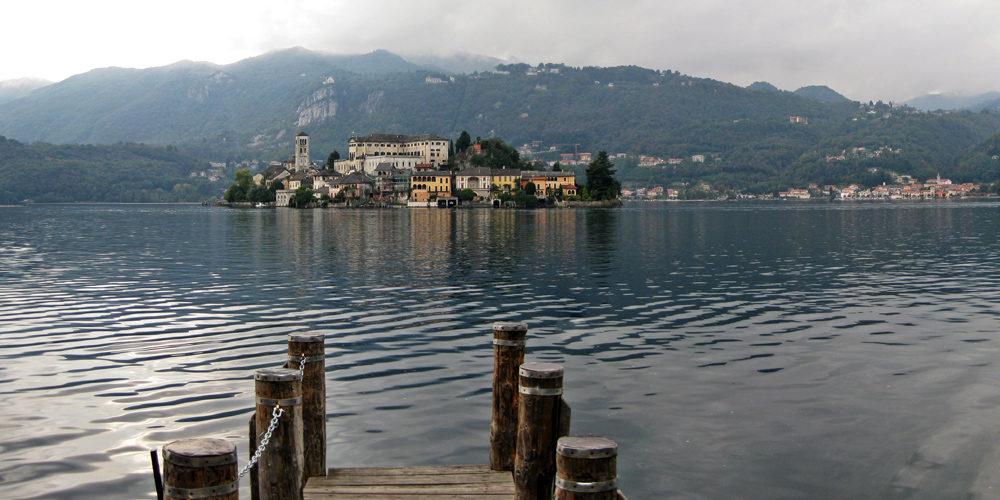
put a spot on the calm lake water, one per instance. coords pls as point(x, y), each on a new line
point(758, 351)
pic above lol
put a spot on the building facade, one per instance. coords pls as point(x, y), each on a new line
point(426, 148)
point(302, 152)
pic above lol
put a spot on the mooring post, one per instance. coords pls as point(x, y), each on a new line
point(279, 469)
point(508, 354)
point(254, 491)
point(586, 468)
point(311, 348)
point(541, 385)
point(200, 468)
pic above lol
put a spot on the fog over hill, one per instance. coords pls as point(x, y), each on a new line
point(15, 89)
point(933, 102)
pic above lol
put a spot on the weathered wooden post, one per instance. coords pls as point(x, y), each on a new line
point(254, 481)
point(541, 385)
point(308, 351)
point(586, 468)
point(200, 468)
point(279, 469)
point(508, 354)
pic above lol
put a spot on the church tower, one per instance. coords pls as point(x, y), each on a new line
point(301, 152)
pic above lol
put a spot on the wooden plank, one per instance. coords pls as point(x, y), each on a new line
point(414, 488)
point(364, 479)
point(420, 469)
point(506, 496)
point(470, 482)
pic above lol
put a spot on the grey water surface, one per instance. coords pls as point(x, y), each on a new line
point(733, 350)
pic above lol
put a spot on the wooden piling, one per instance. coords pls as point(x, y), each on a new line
point(279, 469)
point(254, 482)
point(586, 469)
point(540, 388)
point(200, 468)
point(312, 348)
point(508, 354)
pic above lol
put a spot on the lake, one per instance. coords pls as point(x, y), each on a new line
point(765, 350)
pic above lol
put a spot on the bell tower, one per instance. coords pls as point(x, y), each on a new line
point(301, 151)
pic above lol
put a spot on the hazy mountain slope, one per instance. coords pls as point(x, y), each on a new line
point(253, 108)
point(16, 89)
point(763, 86)
point(255, 105)
point(821, 93)
point(457, 63)
point(934, 102)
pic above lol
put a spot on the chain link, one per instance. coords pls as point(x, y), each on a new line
point(277, 413)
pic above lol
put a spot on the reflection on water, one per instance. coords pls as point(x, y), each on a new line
point(786, 350)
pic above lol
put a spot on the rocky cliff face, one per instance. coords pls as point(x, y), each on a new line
point(318, 107)
point(208, 86)
point(374, 99)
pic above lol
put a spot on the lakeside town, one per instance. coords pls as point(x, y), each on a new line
point(425, 171)
point(904, 187)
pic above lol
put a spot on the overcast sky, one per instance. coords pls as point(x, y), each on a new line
point(864, 49)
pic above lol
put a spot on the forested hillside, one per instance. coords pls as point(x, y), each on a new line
point(113, 173)
point(251, 110)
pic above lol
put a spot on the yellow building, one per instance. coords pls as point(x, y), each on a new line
point(427, 183)
point(547, 183)
point(506, 180)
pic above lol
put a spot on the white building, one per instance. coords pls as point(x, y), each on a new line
point(419, 149)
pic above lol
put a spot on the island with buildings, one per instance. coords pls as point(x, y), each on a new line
point(411, 170)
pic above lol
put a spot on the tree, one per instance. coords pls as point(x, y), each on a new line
point(302, 197)
point(334, 156)
point(238, 192)
point(601, 182)
point(466, 195)
point(530, 188)
point(463, 142)
point(244, 179)
point(497, 154)
point(556, 167)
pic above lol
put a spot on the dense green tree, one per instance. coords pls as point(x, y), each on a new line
point(466, 195)
point(497, 154)
point(530, 189)
point(601, 183)
point(239, 192)
point(334, 156)
point(463, 142)
point(301, 198)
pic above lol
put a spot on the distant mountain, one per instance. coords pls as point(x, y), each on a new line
point(458, 63)
point(253, 108)
point(763, 86)
point(16, 89)
point(935, 102)
point(821, 93)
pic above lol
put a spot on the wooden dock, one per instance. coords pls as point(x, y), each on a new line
point(458, 482)
point(531, 452)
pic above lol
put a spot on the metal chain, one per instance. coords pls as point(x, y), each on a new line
point(277, 413)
